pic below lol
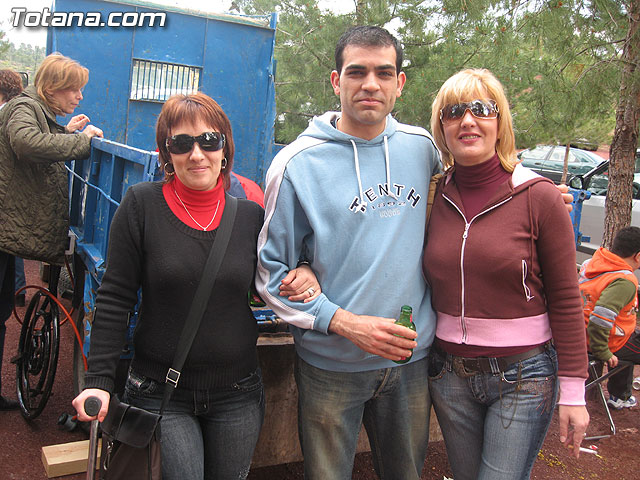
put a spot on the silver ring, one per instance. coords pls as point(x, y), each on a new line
point(311, 291)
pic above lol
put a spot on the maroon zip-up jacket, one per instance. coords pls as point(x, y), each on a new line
point(507, 277)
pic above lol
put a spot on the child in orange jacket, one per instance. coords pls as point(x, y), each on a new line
point(610, 293)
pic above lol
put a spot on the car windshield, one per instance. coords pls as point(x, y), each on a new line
point(600, 183)
point(537, 153)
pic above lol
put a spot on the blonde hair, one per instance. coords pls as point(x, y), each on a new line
point(475, 84)
point(57, 72)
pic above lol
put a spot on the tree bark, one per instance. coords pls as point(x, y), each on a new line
point(360, 6)
point(625, 138)
point(565, 166)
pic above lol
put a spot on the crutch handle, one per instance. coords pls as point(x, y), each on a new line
point(92, 406)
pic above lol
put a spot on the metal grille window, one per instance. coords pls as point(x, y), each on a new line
point(157, 81)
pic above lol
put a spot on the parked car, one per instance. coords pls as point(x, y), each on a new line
point(597, 181)
point(548, 161)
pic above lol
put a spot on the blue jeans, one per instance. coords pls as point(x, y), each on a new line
point(393, 404)
point(494, 425)
point(204, 434)
point(21, 280)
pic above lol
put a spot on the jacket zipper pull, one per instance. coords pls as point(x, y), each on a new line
point(466, 230)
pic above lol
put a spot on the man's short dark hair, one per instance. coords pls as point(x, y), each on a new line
point(626, 242)
point(367, 36)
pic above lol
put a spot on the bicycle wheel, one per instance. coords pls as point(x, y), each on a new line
point(37, 357)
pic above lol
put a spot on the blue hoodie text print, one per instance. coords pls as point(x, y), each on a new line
point(412, 198)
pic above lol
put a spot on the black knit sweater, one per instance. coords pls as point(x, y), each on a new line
point(150, 247)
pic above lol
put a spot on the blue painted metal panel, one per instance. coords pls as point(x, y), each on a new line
point(141, 124)
point(96, 188)
point(238, 76)
point(179, 41)
point(106, 52)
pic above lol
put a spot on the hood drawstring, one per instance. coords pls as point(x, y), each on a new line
point(386, 161)
point(362, 208)
point(363, 205)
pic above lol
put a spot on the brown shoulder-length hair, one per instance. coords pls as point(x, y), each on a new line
point(57, 72)
point(475, 84)
point(10, 84)
point(189, 109)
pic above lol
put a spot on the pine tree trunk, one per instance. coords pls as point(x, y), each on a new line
point(565, 166)
point(360, 6)
point(625, 137)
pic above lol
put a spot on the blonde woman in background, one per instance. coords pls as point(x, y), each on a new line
point(34, 202)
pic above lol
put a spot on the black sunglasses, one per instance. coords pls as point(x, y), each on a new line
point(183, 143)
point(478, 108)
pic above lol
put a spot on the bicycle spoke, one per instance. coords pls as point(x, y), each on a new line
point(38, 356)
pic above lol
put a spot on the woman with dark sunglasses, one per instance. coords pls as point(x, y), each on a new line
point(500, 258)
point(160, 239)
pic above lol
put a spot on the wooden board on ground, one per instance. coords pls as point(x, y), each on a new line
point(67, 458)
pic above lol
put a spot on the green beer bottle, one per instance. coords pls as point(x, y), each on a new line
point(406, 320)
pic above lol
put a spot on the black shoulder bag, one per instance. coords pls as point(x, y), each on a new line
point(130, 435)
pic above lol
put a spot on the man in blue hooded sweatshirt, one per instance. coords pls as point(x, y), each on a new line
point(350, 195)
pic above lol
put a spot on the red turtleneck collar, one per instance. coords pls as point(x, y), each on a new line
point(477, 183)
point(201, 204)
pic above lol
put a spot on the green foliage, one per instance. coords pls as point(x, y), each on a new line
point(4, 44)
point(558, 60)
point(305, 42)
point(25, 58)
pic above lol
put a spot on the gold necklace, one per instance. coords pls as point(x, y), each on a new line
point(191, 216)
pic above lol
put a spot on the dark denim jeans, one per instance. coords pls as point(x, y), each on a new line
point(619, 385)
point(205, 434)
point(494, 425)
point(7, 279)
point(393, 404)
point(21, 280)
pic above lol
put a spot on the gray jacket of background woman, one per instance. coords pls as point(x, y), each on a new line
point(34, 192)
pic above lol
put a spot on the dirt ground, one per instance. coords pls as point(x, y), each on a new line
point(20, 455)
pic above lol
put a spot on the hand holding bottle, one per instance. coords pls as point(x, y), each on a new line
point(406, 320)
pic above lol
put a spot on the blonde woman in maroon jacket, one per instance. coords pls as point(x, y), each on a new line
point(500, 259)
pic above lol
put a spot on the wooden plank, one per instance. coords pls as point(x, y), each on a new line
point(67, 458)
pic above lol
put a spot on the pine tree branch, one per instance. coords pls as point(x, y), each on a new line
point(300, 114)
point(586, 49)
point(596, 65)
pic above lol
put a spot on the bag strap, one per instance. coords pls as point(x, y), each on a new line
point(431, 196)
point(201, 298)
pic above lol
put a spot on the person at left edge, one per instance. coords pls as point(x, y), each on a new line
point(34, 199)
point(11, 86)
point(159, 242)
